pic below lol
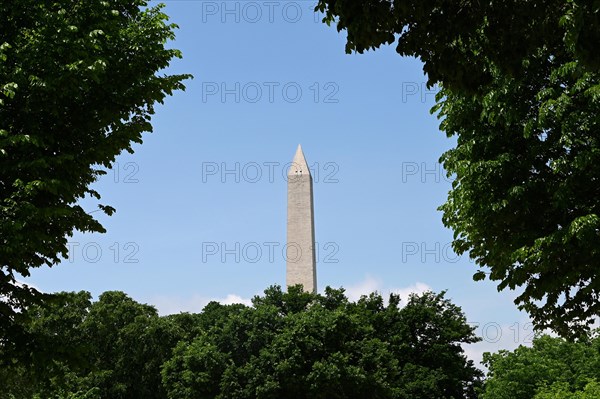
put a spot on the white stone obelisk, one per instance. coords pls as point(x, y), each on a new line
point(300, 250)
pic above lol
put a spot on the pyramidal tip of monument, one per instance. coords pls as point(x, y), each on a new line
point(299, 165)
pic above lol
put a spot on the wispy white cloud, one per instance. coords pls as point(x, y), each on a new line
point(417, 288)
point(365, 287)
point(168, 304)
point(371, 284)
point(193, 304)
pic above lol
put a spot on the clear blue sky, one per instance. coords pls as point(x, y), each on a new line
point(268, 76)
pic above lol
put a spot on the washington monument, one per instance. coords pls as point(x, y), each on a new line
point(300, 253)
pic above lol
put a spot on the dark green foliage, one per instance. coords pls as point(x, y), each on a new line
point(78, 84)
point(301, 345)
point(457, 40)
point(552, 369)
point(524, 203)
point(521, 92)
point(112, 348)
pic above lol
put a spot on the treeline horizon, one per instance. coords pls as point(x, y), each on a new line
point(290, 344)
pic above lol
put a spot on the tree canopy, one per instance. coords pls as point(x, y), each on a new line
point(299, 345)
point(552, 368)
point(520, 91)
point(111, 348)
point(287, 345)
point(78, 85)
